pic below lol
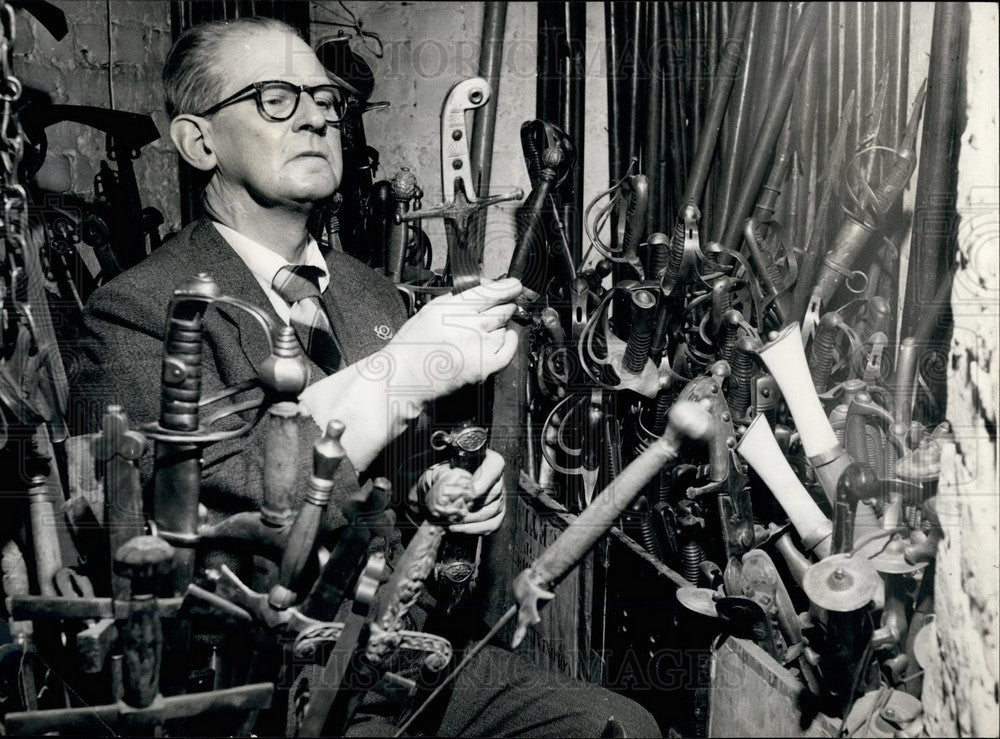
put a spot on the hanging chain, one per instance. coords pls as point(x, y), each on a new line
point(14, 198)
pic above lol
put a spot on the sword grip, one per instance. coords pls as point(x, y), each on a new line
point(532, 214)
point(178, 466)
point(143, 559)
point(280, 464)
point(327, 456)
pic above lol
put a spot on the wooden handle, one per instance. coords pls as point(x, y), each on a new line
point(280, 463)
point(686, 419)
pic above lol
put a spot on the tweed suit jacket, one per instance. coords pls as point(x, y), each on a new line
point(118, 358)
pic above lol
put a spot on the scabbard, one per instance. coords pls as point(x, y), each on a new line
point(768, 64)
point(652, 154)
point(851, 74)
point(378, 226)
point(709, 133)
point(636, 81)
point(123, 504)
point(280, 463)
point(771, 127)
point(404, 189)
point(614, 46)
point(328, 453)
point(671, 99)
point(737, 128)
point(830, 104)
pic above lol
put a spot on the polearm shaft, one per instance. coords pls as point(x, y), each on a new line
point(484, 118)
point(771, 128)
point(932, 248)
point(724, 78)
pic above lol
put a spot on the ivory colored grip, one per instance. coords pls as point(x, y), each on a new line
point(760, 450)
point(786, 361)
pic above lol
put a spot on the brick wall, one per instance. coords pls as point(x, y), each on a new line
point(429, 46)
point(961, 685)
point(75, 71)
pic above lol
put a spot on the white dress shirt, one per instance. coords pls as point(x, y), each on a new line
point(264, 265)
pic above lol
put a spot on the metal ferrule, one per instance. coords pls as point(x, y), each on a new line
point(319, 491)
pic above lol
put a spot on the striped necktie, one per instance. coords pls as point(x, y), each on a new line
point(298, 285)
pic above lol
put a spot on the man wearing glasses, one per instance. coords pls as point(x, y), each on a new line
point(257, 116)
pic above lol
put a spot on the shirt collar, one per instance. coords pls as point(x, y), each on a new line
point(264, 263)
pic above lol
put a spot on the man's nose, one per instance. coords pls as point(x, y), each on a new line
point(309, 115)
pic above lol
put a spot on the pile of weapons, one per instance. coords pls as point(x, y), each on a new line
point(807, 523)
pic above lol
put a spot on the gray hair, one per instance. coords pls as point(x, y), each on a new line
point(192, 80)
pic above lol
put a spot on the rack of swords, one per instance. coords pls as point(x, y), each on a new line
point(735, 356)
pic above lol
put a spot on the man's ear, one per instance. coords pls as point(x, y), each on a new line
point(192, 136)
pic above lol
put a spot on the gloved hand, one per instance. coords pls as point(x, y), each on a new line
point(453, 341)
point(474, 503)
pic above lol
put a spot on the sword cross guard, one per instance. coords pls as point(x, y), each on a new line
point(457, 178)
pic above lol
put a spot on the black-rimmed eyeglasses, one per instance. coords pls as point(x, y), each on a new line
point(278, 100)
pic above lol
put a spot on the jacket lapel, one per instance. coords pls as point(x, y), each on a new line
point(235, 280)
